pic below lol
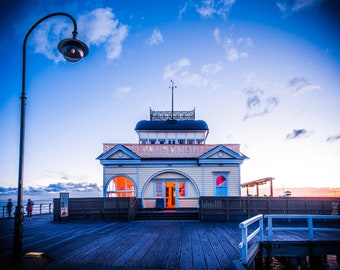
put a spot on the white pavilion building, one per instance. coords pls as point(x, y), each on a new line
point(171, 161)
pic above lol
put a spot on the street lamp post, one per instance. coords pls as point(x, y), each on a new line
point(73, 50)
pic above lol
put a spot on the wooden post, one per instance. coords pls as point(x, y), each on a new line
point(271, 187)
point(270, 229)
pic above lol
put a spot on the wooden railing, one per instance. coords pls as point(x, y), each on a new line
point(241, 208)
point(98, 208)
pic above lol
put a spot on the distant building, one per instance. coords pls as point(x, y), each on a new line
point(171, 161)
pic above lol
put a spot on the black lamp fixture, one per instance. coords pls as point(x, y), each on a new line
point(73, 50)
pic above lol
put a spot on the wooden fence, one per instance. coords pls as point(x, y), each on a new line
point(211, 208)
point(241, 208)
point(98, 208)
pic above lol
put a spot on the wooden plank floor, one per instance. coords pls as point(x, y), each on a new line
point(168, 244)
point(107, 244)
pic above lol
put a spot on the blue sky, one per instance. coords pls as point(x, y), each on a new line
point(264, 74)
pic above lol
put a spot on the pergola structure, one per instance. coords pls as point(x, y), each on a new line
point(257, 183)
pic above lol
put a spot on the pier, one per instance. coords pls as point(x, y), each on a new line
point(110, 244)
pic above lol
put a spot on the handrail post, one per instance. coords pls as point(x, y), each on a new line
point(270, 228)
point(245, 238)
point(261, 229)
point(310, 229)
point(40, 208)
point(244, 244)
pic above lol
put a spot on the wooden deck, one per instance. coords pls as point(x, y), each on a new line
point(167, 244)
point(107, 244)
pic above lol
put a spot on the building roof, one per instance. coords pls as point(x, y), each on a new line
point(171, 125)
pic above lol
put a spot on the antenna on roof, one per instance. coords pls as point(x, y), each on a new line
point(172, 104)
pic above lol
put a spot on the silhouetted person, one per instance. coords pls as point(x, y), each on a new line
point(9, 208)
point(29, 208)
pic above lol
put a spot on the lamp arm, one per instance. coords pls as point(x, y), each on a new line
point(75, 34)
point(75, 30)
point(23, 87)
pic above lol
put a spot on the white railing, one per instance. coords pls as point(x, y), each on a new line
point(246, 254)
point(310, 228)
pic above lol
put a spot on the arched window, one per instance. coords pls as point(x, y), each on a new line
point(121, 186)
point(221, 184)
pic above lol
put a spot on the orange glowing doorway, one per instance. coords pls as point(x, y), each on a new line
point(170, 196)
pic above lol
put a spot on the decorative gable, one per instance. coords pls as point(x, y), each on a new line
point(222, 154)
point(119, 154)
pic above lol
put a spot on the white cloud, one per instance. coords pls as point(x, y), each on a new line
point(232, 54)
point(303, 4)
point(333, 138)
point(122, 91)
point(235, 49)
point(258, 104)
point(247, 41)
point(101, 27)
point(288, 6)
point(209, 8)
point(47, 36)
point(182, 11)
point(212, 68)
point(125, 89)
point(97, 27)
point(206, 9)
point(302, 85)
point(173, 69)
point(180, 72)
point(156, 38)
point(282, 7)
point(259, 100)
point(217, 37)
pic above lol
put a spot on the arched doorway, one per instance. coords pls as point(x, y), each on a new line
point(121, 186)
point(172, 187)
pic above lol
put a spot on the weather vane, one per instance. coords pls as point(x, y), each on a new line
point(172, 104)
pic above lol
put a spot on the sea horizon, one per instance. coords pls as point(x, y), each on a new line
point(47, 197)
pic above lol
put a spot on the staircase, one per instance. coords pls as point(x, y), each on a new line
point(167, 214)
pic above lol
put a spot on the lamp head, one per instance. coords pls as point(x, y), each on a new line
point(73, 49)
